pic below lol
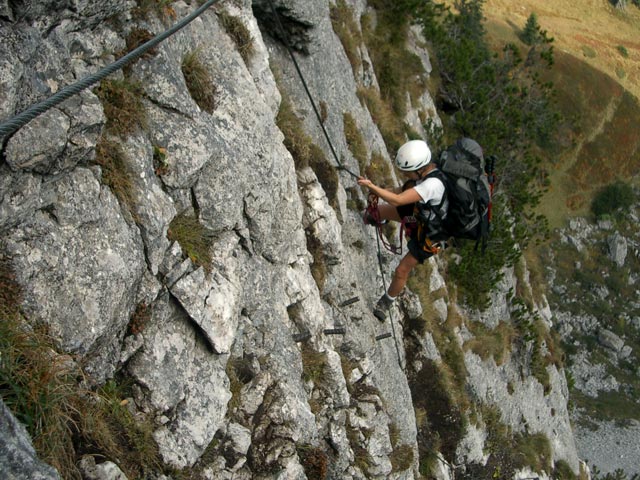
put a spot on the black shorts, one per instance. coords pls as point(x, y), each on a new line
point(405, 210)
point(413, 245)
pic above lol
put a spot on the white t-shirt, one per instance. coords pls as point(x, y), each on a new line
point(431, 190)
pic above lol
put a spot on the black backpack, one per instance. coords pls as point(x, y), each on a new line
point(468, 190)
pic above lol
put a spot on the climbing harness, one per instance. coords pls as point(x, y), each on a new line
point(283, 33)
point(12, 125)
point(406, 225)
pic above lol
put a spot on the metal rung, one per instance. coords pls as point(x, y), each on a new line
point(301, 337)
point(351, 301)
point(335, 331)
point(383, 336)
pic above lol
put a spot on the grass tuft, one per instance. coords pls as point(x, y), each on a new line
point(64, 420)
point(123, 107)
point(348, 31)
point(139, 320)
point(239, 33)
point(161, 8)
point(199, 82)
point(494, 343)
point(193, 237)
point(390, 125)
point(314, 461)
point(116, 173)
point(355, 140)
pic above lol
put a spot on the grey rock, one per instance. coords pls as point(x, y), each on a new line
point(610, 340)
point(5, 10)
point(100, 471)
point(18, 459)
point(617, 248)
point(184, 381)
point(78, 258)
point(39, 143)
point(610, 446)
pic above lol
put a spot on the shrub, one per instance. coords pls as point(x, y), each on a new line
point(199, 82)
point(613, 199)
point(623, 51)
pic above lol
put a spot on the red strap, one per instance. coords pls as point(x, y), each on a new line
point(372, 210)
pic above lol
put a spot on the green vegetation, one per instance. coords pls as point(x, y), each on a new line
point(348, 31)
point(161, 8)
point(199, 82)
point(123, 107)
point(501, 101)
point(305, 152)
point(618, 474)
point(193, 237)
point(43, 389)
point(398, 70)
point(613, 200)
point(239, 33)
point(116, 173)
point(355, 140)
point(623, 51)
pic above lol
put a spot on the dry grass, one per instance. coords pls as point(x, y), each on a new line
point(239, 33)
point(193, 237)
point(348, 31)
point(314, 461)
point(390, 125)
point(116, 173)
point(199, 82)
point(496, 343)
point(123, 107)
point(160, 8)
point(593, 23)
point(43, 389)
point(355, 140)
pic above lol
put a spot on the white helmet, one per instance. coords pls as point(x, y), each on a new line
point(413, 155)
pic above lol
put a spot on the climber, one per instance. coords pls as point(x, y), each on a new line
point(422, 198)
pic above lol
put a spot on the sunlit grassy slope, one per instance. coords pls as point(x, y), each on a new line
point(597, 75)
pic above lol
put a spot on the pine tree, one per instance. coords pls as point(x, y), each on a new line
point(531, 32)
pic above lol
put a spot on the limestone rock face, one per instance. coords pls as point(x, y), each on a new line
point(268, 352)
point(17, 456)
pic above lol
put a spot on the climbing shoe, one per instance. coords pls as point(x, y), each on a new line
point(382, 307)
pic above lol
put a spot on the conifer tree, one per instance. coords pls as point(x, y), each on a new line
point(531, 32)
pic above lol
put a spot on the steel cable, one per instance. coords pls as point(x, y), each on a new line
point(12, 125)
